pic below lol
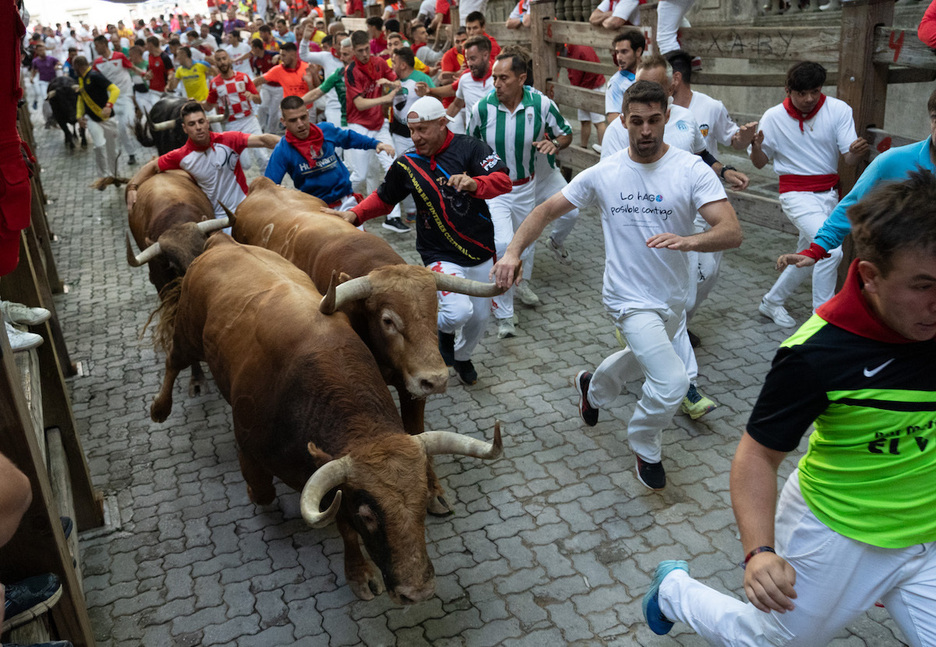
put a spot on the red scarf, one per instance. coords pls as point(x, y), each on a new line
point(309, 147)
point(371, 70)
point(449, 136)
point(849, 310)
point(799, 116)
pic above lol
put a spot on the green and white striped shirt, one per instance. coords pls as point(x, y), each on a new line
point(511, 135)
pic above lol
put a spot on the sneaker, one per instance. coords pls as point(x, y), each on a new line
point(465, 372)
point(131, 160)
point(29, 599)
point(527, 296)
point(777, 313)
point(505, 328)
point(596, 148)
point(658, 623)
point(586, 410)
point(651, 474)
point(696, 64)
point(21, 340)
point(447, 347)
point(694, 339)
point(559, 251)
point(17, 313)
point(395, 224)
point(695, 405)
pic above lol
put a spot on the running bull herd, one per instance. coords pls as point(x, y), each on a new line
point(304, 321)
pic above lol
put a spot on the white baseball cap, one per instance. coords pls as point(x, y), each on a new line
point(426, 109)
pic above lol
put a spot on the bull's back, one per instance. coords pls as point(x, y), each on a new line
point(164, 200)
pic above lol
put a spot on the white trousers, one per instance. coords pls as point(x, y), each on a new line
point(401, 144)
point(837, 579)
point(650, 354)
point(269, 111)
point(146, 100)
point(808, 211)
point(507, 214)
point(104, 138)
point(251, 126)
point(125, 113)
point(549, 182)
point(461, 314)
point(670, 16)
point(368, 167)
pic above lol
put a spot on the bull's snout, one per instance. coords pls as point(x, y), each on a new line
point(425, 383)
point(414, 594)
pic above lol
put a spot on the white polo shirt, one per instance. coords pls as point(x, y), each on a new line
point(471, 91)
point(617, 84)
point(681, 132)
point(637, 201)
point(815, 149)
point(715, 124)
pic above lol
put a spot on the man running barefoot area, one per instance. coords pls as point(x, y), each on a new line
point(648, 196)
point(854, 523)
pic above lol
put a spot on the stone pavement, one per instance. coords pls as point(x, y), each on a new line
point(552, 544)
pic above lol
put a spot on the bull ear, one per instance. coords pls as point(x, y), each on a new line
point(318, 455)
point(203, 218)
point(148, 241)
point(344, 277)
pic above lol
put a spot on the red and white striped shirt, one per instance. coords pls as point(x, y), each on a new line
point(216, 169)
point(233, 93)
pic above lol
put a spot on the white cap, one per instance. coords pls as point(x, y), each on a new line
point(426, 109)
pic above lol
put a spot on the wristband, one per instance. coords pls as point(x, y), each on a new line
point(815, 252)
point(756, 551)
point(726, 168)
point(108, 105)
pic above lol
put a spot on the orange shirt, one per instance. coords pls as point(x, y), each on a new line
point(293, 83)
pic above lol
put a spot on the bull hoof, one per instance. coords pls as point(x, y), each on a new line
point(160, 410)
point(264, 497)
point(438, 507)
point(195, 387)
point(369, 586)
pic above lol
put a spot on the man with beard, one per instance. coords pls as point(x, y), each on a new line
point(235, 92)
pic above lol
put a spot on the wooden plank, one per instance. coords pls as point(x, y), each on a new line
point(884, 141)
point(901, 47)
point(750, 80)
point(577, 157)
point(819, 44)
point(354, 24)
point(607, 69)
point(567, 95)
point(60, 480)
point(759, 210)
point(910, 75)
point(545, 67)
point(579, 33)
point(44, 238)
point(504, 36)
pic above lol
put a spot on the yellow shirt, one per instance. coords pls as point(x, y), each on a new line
point(419, 67)
point(195, 80)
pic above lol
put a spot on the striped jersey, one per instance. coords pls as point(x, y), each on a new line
point(511, 135)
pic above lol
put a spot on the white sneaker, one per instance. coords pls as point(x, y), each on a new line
point(505, 328)
point(21, 340)
point(19, 314)
point(777, 313)
point(559, 251)
point(596, 148)
point(527, 296)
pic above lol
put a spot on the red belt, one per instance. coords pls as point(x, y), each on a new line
point(810, 183)
point(525, 180)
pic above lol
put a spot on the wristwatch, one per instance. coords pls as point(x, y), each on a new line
point(555, 142)
point(726, 168)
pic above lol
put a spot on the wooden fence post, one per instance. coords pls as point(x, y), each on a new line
point(545, 63)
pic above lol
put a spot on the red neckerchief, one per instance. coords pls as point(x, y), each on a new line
point(334, 52)
point(849, 310)
point(371, 70)
point(417, 46)
point(799, 116)
point(309, 147)
point(449, 136)
point(483, 78)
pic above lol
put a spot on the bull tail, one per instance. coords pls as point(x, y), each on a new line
point(167, 308)
point(142, 128)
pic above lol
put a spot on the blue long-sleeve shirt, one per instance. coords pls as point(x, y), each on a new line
point(892, 165)
point(329, 179)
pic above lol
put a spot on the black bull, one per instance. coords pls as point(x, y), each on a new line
point(164, 140)
point(63, 99)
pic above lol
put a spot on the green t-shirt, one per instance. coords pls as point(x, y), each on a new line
point(336, 82)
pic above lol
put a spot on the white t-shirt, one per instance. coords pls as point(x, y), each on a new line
point(815, 149)
point(427, 8)
point(637, 201)
point(715, 124)
point(241, 49)
point(681, 131)
point(470, 90)
point(628, 10)
point(617, 84)
point(466, 7)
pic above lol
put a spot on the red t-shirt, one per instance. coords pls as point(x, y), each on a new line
point(354, 8)
point(362, 82)
point(578, 78)
point(495, 48)
point(293, 83)
point(159, 66)
point(452, 61)
point(444, 7)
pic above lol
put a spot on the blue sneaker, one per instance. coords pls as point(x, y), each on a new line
point(658, 623)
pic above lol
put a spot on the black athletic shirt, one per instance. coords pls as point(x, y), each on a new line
point(451, 225)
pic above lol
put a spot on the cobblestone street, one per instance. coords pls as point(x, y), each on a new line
point(552, 544)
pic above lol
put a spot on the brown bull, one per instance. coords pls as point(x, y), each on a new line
point(310, 407)
point(393, 307)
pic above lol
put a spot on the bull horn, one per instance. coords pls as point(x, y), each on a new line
point(328, 476)
point(449, 283)
point(212, 224)
point(143, 257)
point(165, 125)
point(448, 442)
point(353, 290)
point(230, 214)
point(215, 119)
point(51, 95)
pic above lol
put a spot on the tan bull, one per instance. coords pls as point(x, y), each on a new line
point(310, 407)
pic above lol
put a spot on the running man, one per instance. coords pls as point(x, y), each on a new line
point(235, 92)
point(648, 196)
point(854, 523)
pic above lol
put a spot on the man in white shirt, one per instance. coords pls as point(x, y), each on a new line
point(239, 51)
point(627, 48)
point(614, 14)
point(804, 137)
point(118, 68)
point(648, 196)
point(330, 62)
